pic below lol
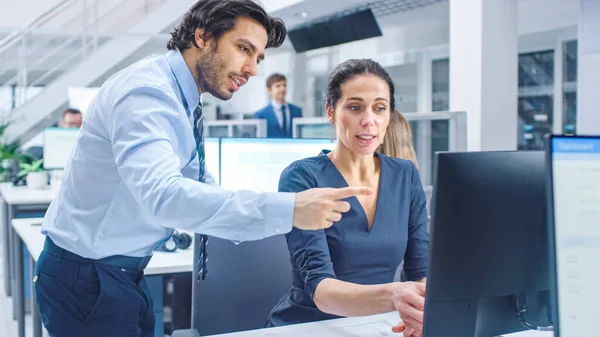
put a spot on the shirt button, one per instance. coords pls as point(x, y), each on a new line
point(277, 230)
point(35, 278)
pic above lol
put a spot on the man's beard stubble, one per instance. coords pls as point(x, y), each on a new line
point(209, 68)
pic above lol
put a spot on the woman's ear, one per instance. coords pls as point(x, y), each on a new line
point(330, 113)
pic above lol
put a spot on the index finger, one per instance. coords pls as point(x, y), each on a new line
point(346, 192)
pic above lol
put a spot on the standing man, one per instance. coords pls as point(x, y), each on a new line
point(278, 113)
point(138, 171)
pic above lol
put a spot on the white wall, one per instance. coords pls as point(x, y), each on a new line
point(429, 26)
point(588, 71)
point(413, 30)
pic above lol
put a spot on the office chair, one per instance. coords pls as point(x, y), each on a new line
point(243, 284)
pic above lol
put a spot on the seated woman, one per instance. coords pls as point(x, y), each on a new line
point(348, 269)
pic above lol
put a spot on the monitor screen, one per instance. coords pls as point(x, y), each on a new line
point(58, 146)
point(256, 163)
point(576, 203)
point(212, 152)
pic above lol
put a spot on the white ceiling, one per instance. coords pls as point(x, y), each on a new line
point(314, 9)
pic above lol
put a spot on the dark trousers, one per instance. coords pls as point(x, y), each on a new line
point(80, 297)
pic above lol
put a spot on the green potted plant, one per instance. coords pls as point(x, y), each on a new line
point(9, 156)
point(36, 176)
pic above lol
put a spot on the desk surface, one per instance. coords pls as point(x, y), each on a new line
point(354, 323)
point(23, 195)
point(161, 263)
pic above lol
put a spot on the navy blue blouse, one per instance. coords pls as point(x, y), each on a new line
point(348, 251)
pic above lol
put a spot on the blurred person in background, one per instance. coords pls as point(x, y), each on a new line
point(279, 113)
point(72, 118)
point(399, 139)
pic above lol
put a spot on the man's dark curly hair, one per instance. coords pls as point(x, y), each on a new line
point(217, 17)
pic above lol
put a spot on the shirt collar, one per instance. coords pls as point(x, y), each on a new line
point(185, 80)
point(276, 105)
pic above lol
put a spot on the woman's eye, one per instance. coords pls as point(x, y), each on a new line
point(354, 108)
point(380, 109)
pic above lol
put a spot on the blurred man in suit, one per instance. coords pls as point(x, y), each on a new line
point(278, 113)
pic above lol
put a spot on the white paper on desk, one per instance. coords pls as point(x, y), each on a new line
point(531, 333)
point(373, 329)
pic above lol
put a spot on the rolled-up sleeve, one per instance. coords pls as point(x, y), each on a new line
point(308, 249)
point(141, 135)
point(417, 250)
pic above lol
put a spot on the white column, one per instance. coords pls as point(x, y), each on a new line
point(588, 70)
point(298, 71)
point(483, 71)
point(424, 92)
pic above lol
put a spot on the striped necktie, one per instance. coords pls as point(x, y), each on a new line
point(198, 130)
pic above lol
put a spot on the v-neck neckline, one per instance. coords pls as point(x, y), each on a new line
point(360, 205)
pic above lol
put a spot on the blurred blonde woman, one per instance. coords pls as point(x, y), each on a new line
point(398, 142)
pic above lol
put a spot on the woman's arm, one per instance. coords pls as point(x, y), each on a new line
point(417, 248)
point(349, 299)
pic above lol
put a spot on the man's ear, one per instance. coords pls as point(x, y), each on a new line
point(200, 38)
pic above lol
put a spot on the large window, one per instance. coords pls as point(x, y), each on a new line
point(536, 93)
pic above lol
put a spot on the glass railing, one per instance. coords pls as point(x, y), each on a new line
point(236, 128)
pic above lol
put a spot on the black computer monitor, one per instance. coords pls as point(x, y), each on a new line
point(488, 244)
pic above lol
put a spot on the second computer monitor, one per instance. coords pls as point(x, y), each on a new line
point(574, 226)
point(256, 163)
point(488, 244)
point(212, 153)
point(58, 147)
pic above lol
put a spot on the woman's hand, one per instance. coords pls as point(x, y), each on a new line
point(408, 332)
point(409, 301)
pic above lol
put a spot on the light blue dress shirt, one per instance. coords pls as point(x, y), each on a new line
point(133, 174)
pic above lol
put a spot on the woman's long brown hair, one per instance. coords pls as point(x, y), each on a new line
point(398, 141)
